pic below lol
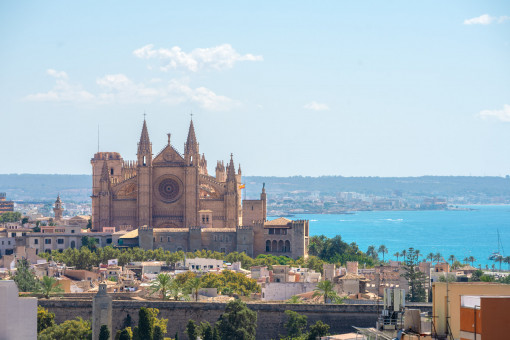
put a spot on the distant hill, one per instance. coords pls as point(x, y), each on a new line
point(28, 187)
point(78, 188)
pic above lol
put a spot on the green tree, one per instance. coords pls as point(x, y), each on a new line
point(191, 330)
point(296, 323)
point(326, 290)
point(144, 324)
point(158, 334)
point(104, 333)
point(207, 331)
point(237, 322)
point(194, 286)
point(48, 286)
point(507, 261)
point(25, 277)
point(45, 319)
point(414, 277)
point(430, 257)
point(125, 334)
point(77, 329)
point(452, 259)
point(89, 242)
point(371, 252)
point(318, 330)
point(472, 260)
point(161, 284)
point(397, 254)
point(294, 299)
point(382, 250)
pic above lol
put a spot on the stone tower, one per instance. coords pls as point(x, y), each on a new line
point(58, 209)
point(144, 178)
point(192, 159)
point(101, 311)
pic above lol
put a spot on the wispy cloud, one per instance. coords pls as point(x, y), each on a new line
point(217, 57)
point(486, 19)
point(118, 88)
point(501, 115)
point(316, 106)
point(63, 91)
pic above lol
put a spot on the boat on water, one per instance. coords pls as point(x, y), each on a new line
point(495, 255)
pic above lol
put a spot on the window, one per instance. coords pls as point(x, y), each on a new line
point(168, 239)
point(108, 240)
point(60, 241)
point(268, 245)
point(111, 171)
point(271, 231)
point(252, 207)
point(36, 241)
point(9, 242)
point(47, 241)
point(72, 231)
point(161, 239)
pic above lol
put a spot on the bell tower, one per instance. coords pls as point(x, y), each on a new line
point(58, 209)
point(192, 185)
point(144, 178)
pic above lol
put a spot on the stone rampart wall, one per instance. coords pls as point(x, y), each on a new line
point(270, 317)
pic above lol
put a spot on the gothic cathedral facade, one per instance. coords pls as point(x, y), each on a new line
point(172, 193)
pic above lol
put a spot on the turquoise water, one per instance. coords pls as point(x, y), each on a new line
point(461, 233)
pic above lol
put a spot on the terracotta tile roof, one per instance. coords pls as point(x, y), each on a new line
point(278, 221)
point(131, 234)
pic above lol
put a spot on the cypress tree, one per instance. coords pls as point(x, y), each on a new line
point(104, 333)
point(144, 324)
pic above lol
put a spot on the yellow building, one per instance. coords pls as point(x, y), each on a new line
point(452, 292)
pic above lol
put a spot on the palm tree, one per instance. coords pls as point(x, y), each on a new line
point(325, 289)
point(430, 257)
point(371, 252)
point(437, 257)
point(161, 284)
point(507, 261)
point(175, 289)
point(194, 285)
point(451, 258)
point(466, 260)
point(294, 299)
point(404, 254)
point(48, 286)
point(472, 260)
point(383, 250)
point(499, 259)
point(397, 254)
point(417, 253)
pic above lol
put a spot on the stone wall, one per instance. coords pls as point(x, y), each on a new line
point(270, 317)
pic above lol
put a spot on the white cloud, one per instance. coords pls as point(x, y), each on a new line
point(486, 19)
point(118, 88)
point(218, 57)
point(63, 91)
point(316, 106)
point(501, 115)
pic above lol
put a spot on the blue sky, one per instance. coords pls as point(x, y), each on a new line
point(361, 88)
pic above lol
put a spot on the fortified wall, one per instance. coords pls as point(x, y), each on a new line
point(270, 317)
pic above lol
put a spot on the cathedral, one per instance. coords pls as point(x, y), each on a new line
point(170, 201)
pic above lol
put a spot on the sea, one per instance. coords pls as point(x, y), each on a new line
point(472, 231)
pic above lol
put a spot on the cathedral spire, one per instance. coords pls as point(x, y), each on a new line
point(191, 142)
point(144, 146)
point(231, 170)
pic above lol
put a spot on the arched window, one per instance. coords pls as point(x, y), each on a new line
point(280, 246)
point(274, 247)
point(268, 245)
point(287, 246)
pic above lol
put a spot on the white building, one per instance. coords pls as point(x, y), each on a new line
point(18, 316)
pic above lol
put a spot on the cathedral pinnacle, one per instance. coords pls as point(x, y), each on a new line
point(105, 174)
point(144, 146)
point(231, 170)
point(191, 142)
